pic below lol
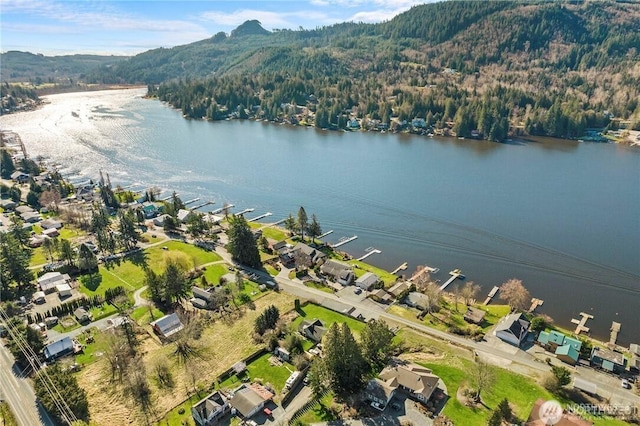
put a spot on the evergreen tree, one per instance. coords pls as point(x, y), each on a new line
point(290, 224)
point(344, 364)
point(376, 340)
point(303, 222)
point(66, 252)
point(176, 283)
point(127, 228)
point(15, 261)
point(87, 261)
point(6, 164)
point(67, 385)
point(314, 228)
point(242, 243)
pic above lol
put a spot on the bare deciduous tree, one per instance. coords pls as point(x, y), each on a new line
point(469, 292)
point(483, 376)
point(515, 294)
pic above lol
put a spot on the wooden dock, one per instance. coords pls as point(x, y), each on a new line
point(228, 206)
point(245, 211)
point(344, 240)
point(262, 216)
point(491, 295)
point(199, 206)
point(400, 268)
point(615, 329)
point(423, 270)
point(581, 323)
point(369, 251)
point(535, 303)
point(455, 274)
point(186, 203)
point(325, 234)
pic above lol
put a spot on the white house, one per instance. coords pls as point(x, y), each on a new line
point(367, 281)
point(50, 280)
point(64, 290)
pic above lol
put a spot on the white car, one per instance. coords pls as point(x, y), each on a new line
point(625, 384)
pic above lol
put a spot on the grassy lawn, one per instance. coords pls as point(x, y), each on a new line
point(271, 270)
point(126, 275)
point(262, 370)
point(91, 351)
point(319, 412)
point(72, 324)
point(270, 232)
point(319, 286)
point(328, 317)
point(103, 311)
point(265, 257)
point(38, 257)
point(155, 255)
point(68, 232)
point(143, 316)
point(175, 418)
point(213, 273)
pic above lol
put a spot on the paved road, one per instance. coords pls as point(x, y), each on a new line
point(18, 393)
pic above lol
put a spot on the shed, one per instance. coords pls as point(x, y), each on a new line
point(58, 349)
point(168, 325)
point(367, 281)
point(82, 315)
point(64, 290)
point(38, 297)
point(474, 315)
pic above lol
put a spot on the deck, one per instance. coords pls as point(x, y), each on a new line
point(581, 323)
point(491, 295)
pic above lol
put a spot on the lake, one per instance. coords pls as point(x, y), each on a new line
point(562, 216)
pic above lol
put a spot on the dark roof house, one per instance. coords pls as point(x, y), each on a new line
point(312, 329)
point(208, 411)
point(333, 268)
point(608, 360)
point(316, 256)
point(168, 325)
point(513, 329)
point(414, 380)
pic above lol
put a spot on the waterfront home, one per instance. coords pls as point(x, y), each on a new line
point(313, 329)
point(209, 410)
point(513, 328)
point(565, 348)
point(183, 215)
point(417, 300)
point(338, 271)
point(400, 289)
point(248, 400)
point(608, 360)
point(159, 220)
point(167, 326)
point(367, 281)
point(310, 255)
point(380, 295)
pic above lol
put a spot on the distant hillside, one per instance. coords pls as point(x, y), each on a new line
point(38, 69)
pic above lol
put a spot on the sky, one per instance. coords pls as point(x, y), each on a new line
point(127, 27)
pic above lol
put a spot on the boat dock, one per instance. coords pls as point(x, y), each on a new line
point(423, 270)
point(369, 251)
point(581, 322)
point(400, 268)
point(455, 274)
point(325, 234)
point(615, 329)
point(228, 206)
point(168, 198)
point(262, 216)
point(535, 303)
point(186, 203)
point(199, 206)
point(344, 240)
point(491, 295)
point(244, 211)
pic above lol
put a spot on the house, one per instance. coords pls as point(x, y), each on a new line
point(82, 315)
point(51, 232)
point(541, 416)
point(474, 315)
point(367, 281)
point(417, 300)
point(313, 329)
point(315, 256)
point(159, 220)
point(568, 354)
point(513, 329)
point(415, 381)
point(566, 348)
point(400, 288)
point(248, 400)
point(635, 356)
point(30, 217)
point(279, 245)
point(201, 298)
point(149, 210)
point(38, 297)
point(183, 215)
point(50, 280)
point(36, 241)
point(20, 177)
point(282, 354)
point(51, 223)
point(64, 290)
point(7, 204)
point(85, 193)
point(24, 209)
point(380, 295)
point(58, 349)
point(167, 326)
point(338, 271)
point(608, 360)
point(208, 411)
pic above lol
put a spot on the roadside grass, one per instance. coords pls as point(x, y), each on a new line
point(213, 273)
point(6, 415)
point(318, 286)
point(271, 270)
point(327, 316)
point(143, 315)
point(320, 412)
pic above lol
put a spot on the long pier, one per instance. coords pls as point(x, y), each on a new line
point(199, 206)
point(455, 274)
point(186, 203)
point(581, 323)
point(262, 216)
point(228, 206)
point(245, 211)
point(535, 303)
point(325, 234)
point(400, 268)
point(168, 198)
point(369, 253)
point(491, 295)
point(344, 241)
point(615, 329)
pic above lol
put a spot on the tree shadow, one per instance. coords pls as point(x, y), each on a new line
point(139, 258)
point(91, 281)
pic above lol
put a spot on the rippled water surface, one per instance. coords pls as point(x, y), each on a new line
point(562, 216)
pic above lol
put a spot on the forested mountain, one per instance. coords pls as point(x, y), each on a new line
point(484, 68)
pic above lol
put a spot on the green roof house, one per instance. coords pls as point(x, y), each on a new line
point(568, 354)
point(543, 338)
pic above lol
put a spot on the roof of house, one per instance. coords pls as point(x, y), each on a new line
point(18, 174)
point(7, 203)
point(474, 315)
point(245, 400)
point(81, 313)
point(417, 299)
point(575, 343)
point(609, 355)
point(515, 324)
point(24, 209)
point(417, 379)
point(543, 337)
point(58, 348)
point(367, 280)
point(63, 287)
point(569, 351)
point(634, 348)
point(379, 389)
point(334, 268)
point(52, 279)
point(51, 223)
point(201, 294)
point(210, 404)
point(556, 337)
point(168, 325)
point(381, 294)
point(399, 288)
point(314, 329)
point(183, 214)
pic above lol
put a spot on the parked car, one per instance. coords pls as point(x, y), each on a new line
point(625, 384)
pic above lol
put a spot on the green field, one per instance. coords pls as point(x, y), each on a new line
point(143, 315)
point(328, 317)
